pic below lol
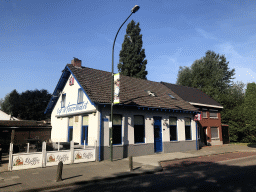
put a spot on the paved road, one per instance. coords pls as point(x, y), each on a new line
point(226, 172)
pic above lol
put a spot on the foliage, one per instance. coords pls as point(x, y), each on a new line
point(28, 105)
point(249, 108)
point(132, 60)
point(232, 113)
point(210, 74)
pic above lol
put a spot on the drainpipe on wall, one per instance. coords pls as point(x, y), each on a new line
point(196, 137)
point(100, 133)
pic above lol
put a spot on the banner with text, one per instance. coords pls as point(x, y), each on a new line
point(116, 88)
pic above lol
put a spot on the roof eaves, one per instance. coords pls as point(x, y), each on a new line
point(60, 85)
point(93, 103)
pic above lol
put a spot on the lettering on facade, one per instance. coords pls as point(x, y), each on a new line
point(72, 108)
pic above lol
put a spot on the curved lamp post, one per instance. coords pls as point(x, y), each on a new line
point(134, 10)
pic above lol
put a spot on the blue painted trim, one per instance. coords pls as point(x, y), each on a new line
point(70, 127)
point(81, 87)
point(161, 132)
point(60, 85)
point(83, 135)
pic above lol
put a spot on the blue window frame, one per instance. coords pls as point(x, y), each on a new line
point(84, 137)
point(117, 130)
point(173, 128)
point(80, 96)
point(139, 129)
point(188, 128)
point(63, 100)
point(70, 129)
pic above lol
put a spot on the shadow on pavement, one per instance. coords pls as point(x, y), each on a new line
point(10, 185)
point(72, 177)
point(185, 176)
point(253, 145)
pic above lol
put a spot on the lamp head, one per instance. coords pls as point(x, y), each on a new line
point(135, 8)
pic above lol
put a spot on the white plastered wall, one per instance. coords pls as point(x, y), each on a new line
point(128, 123)
point(60, 124)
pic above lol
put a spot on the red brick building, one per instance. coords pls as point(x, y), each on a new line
point(210, 127)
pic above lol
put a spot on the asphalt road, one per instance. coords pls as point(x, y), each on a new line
point(226, 172)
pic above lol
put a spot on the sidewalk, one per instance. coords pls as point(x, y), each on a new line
point(44, 178)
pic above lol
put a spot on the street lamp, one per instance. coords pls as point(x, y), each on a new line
point(134, 10)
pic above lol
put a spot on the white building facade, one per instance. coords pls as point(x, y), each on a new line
point(80, 114)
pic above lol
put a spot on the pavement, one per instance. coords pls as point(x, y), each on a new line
point(43, 179)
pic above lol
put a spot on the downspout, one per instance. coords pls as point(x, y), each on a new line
point(196, 137)
point(100, 133)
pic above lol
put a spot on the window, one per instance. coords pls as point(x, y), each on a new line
point(204, 114)
point(171, 96)
point(70, 129)
point(80, 96)
point(214, 132)
point(213, 115)
point(139, 129)
point(63, 100)
point(117, 130)
point(84, 139)
point(173, 128)
point(188, 128)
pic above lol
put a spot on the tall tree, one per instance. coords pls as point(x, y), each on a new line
point(33, 104)
point(232, 113)
point(249, 111)
point(28, 105)
point(210, 74)
point(5, 104)
point(132, 60)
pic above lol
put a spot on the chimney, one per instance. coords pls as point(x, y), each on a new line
point(76, 62)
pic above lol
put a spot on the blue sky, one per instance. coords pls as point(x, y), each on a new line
point(38, 38)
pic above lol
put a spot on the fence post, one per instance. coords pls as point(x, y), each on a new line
point(59, 171)
point(27, 147)
point(84, 144)
point(72, 151)
point(44, 154)
point(58, 145)
point(130, 163)
point(10, 157)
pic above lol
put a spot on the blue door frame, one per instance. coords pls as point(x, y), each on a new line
point(158, 134)
point(84, 135)
point(70, 133)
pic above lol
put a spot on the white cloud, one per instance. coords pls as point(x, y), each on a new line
point(205, 34)
point(244, 66)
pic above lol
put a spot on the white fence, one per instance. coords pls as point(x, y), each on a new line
point(49, 158)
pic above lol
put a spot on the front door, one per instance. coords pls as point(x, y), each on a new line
point(157, 134)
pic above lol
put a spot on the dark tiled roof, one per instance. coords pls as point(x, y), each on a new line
point(97, 85)
point(27, 124)
point(191, 94)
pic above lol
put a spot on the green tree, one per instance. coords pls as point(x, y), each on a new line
point(209, 74)
point(5, 104)
point(132, 60)
point(249, 111)
point(232, 113)
point(33, 104)
point(28, 105)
